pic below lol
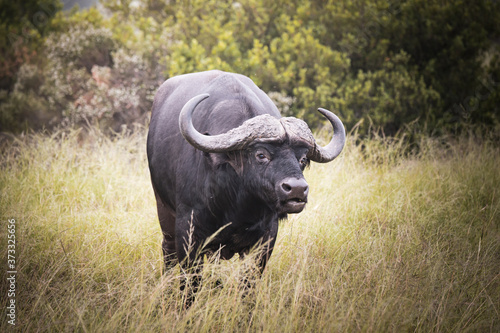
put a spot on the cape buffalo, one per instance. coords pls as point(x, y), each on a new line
point(226, 167)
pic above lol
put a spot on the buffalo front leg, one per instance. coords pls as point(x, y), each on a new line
point(166, 215)
point(190, 259)
point(267, 246)
point(190, 282)
point(265, 249)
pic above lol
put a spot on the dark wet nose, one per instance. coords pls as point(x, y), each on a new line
point(294, 188)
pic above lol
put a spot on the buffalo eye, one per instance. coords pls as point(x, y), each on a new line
point(262, 157)
point(304, 162)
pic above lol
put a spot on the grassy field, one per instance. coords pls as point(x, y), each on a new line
point(389, 242)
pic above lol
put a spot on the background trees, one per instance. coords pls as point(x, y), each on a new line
point(385, 63)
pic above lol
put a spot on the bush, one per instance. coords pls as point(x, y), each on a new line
point(387, 98)
point(86, 79)
point(431, 62)
point(116, 96)
point(25, 107)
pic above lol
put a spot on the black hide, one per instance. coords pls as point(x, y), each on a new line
point(243, 194)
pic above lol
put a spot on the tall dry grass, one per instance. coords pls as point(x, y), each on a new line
point(391, 241)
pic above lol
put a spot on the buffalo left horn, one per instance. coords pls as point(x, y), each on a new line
point(332, 150)
point(263, 128)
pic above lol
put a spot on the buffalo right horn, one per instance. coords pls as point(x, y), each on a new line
point(263, 128)
point(332, 150)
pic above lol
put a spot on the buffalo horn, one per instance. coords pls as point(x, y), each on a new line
point(332, 150)
point(263, 128)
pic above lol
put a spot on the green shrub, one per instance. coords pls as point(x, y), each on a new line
point(386, 64)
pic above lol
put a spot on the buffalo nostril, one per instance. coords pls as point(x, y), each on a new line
point(286, 187)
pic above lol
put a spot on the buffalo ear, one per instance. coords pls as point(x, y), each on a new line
point(235, 160)
point(217, 159)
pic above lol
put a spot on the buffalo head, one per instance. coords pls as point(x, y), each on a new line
point(268, 153)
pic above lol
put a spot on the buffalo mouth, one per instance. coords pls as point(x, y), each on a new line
point(293, 205)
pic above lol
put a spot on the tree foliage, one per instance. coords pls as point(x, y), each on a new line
point(377, 63)
point(22, 26)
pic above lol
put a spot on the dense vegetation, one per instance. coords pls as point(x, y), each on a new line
point(387, 243)
point(388, 63)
